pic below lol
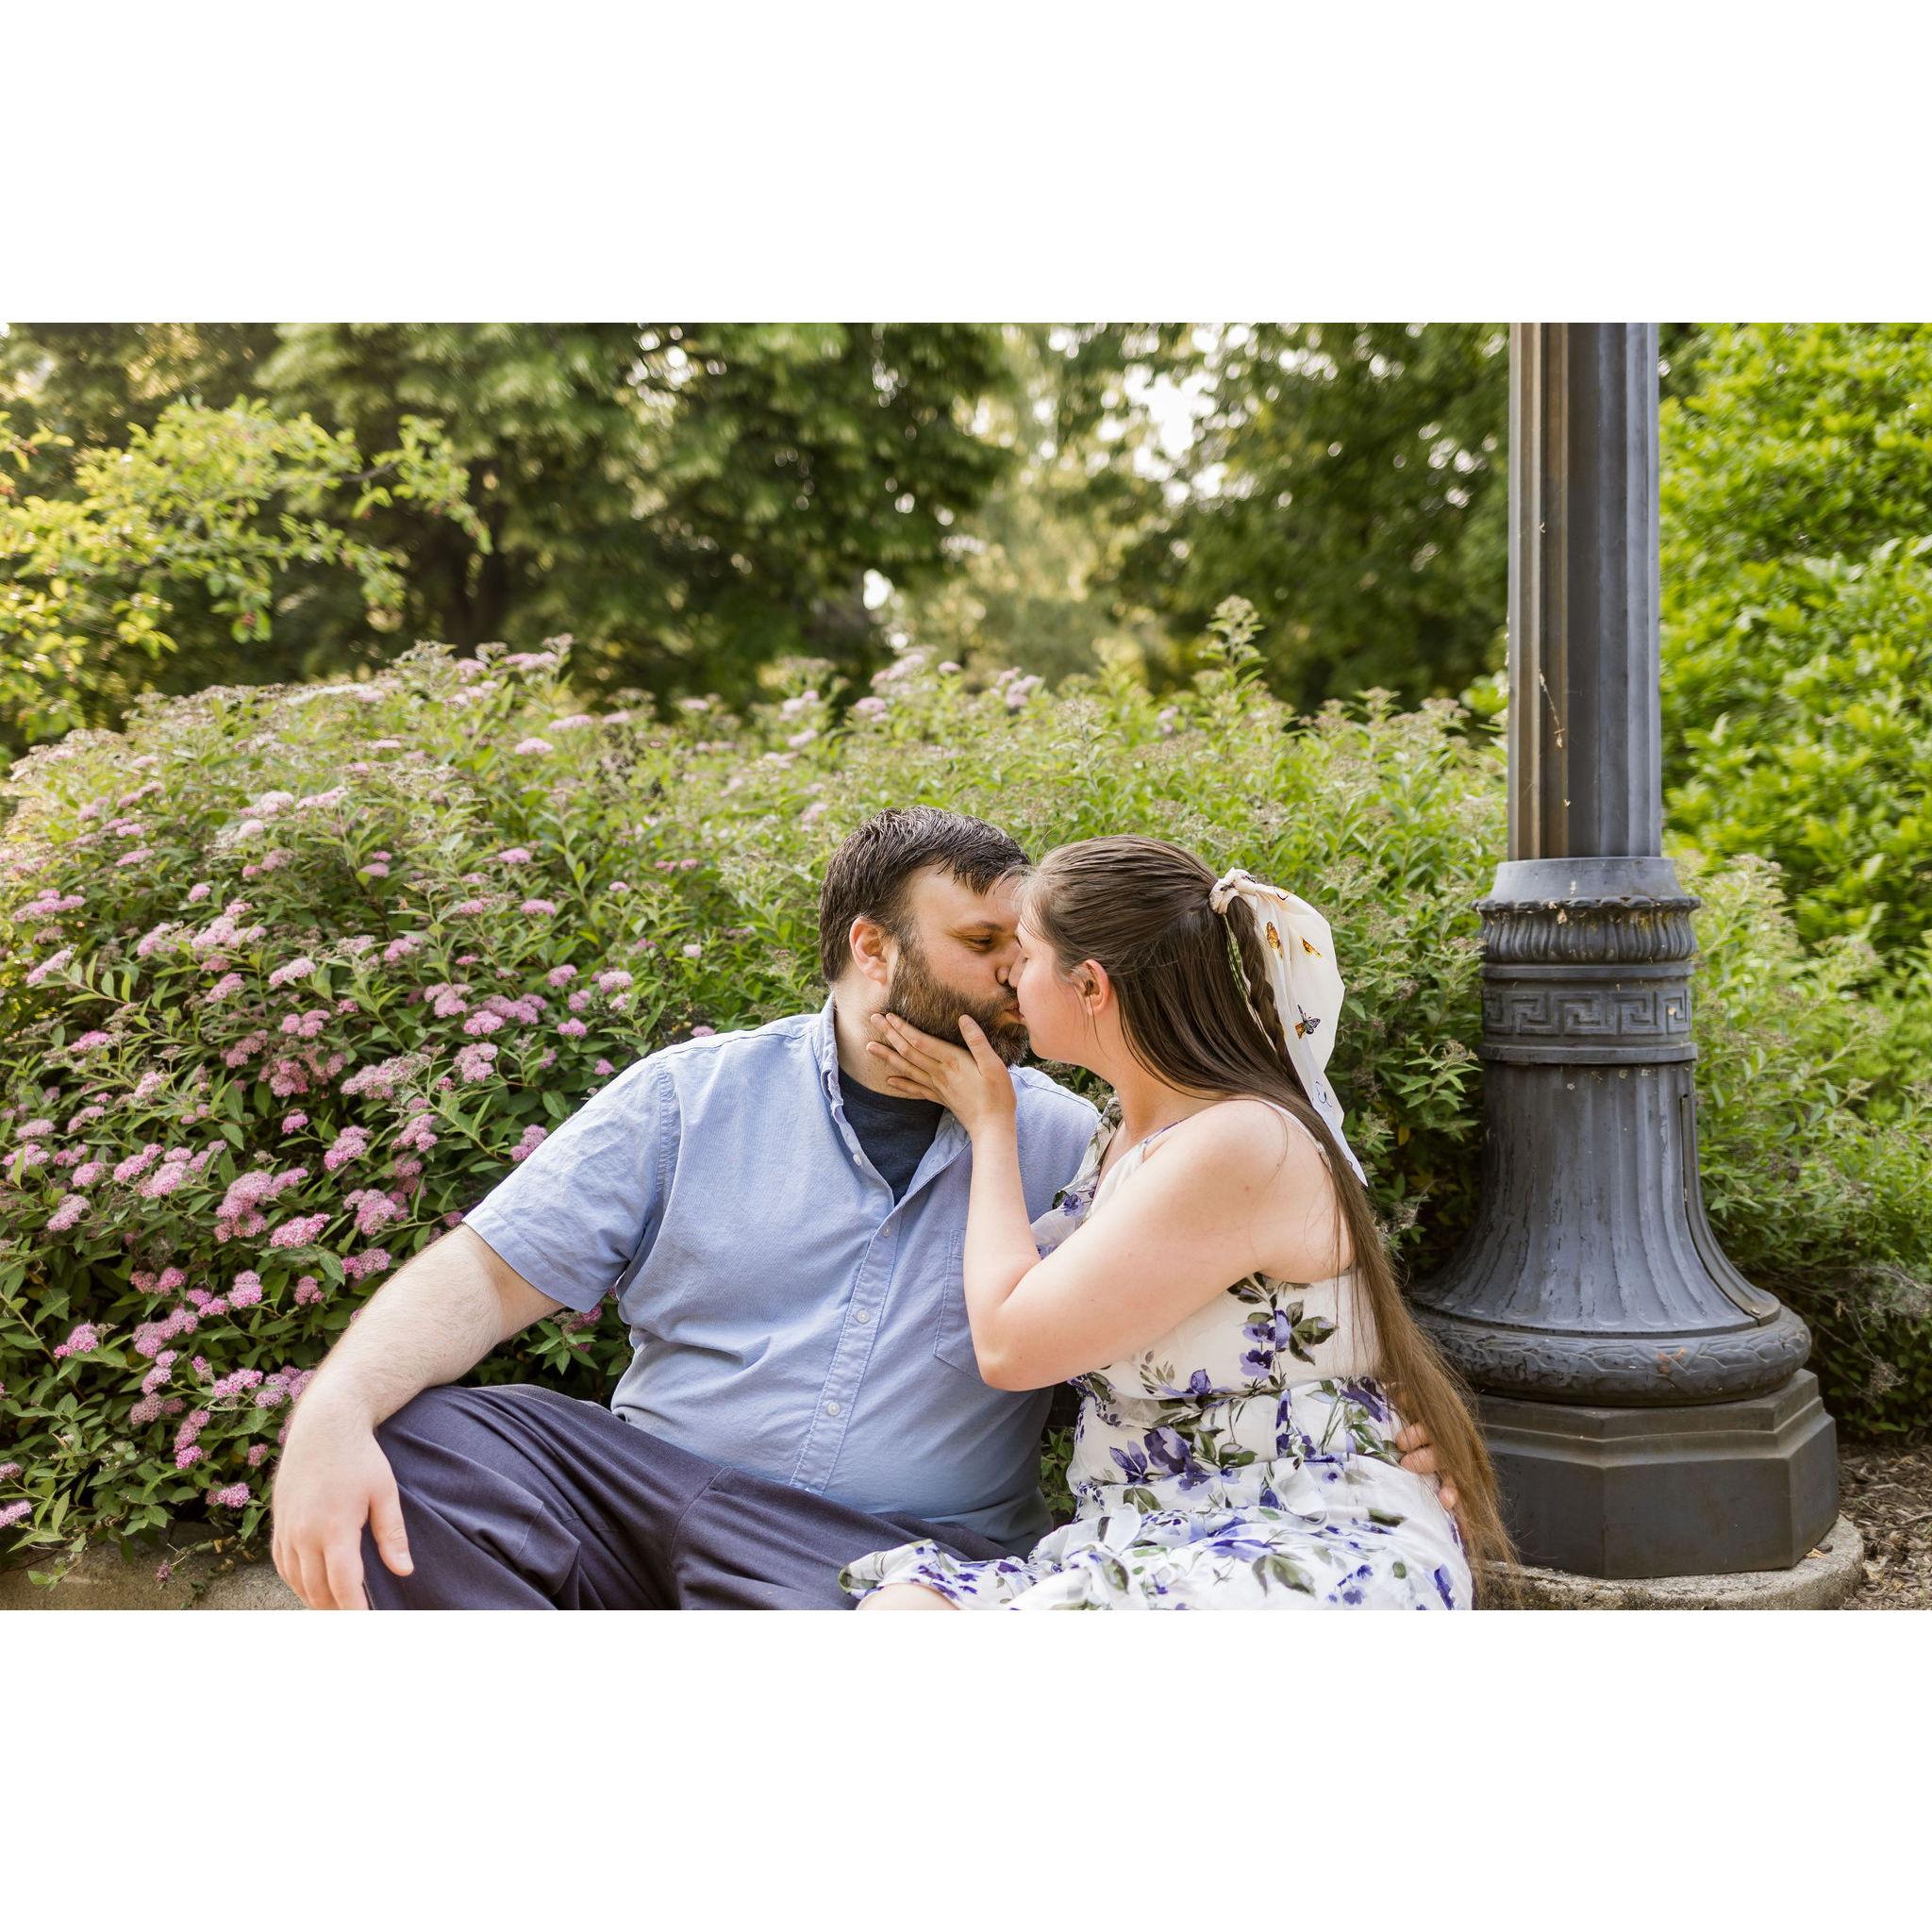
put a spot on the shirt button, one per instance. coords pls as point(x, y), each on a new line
point(861, 1315)
point(831, 1408)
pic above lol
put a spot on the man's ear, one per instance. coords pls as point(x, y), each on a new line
point(872, 950)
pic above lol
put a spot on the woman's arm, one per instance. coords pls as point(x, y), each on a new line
point(1232, 1192)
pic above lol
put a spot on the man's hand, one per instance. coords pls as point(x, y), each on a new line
point(333, 1478)
point(1419, 1458)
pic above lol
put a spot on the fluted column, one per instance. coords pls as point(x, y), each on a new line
point(1646, 1405)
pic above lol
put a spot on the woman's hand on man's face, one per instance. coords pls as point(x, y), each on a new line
point(971, 1081)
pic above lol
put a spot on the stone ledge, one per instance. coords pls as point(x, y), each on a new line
point(1826, 1579)
point(205, 1580)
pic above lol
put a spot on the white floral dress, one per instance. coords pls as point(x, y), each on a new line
point(1245, 1462)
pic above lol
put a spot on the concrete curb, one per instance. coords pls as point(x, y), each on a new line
point(1825, 1580)
point(103, 1581)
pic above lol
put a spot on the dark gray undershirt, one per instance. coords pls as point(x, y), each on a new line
point(894, 1129)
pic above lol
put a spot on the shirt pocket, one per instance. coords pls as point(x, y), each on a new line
point(952, 1330)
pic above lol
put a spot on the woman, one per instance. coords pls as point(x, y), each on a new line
point(1211, 1280)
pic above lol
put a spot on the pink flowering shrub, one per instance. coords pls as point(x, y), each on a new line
point(248, 1075)
point(236, 1096)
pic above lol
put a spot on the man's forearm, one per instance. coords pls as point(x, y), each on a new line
point(440, 1315)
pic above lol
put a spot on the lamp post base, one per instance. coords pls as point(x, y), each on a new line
point(1829, 1578)
point(1712, 1488)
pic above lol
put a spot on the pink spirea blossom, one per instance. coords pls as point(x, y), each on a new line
point(602, 1069)
point(52, 964)
point(288, 1077)
point(164, 1180)
point(578, 1001)
point(295, 969)
point(534, 1138)
point(372, 1261)
point(693, 951)
point(571, 1029)
point(93, 1041)
point(449, 1000)
point(703, 1032)
point(198, 892)
point(516, 855)
point(84, 1341)
point(469, 908)
point(246, 1290)
point(234, 1496)
point(299, 1232)
point(225, 987)
point(11, 1513)
point(483, 1022)
point(614, 981)
point(308, 1290)
point(373, 1209)
point(307, 1025)
point(540, 908)
point(402, 948)
point(257, 1455)
point(352, 1144)
point(532, 747)
point(70, 1210)
point(9, 1471)
point(295, 1122)
point(474, 1062)
point(138, 1164)
point(561, 976)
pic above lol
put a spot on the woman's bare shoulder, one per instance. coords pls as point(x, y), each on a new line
point(1247, 1140)
point(1246, 1152)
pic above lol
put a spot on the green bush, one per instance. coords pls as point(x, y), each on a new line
point(298, 973)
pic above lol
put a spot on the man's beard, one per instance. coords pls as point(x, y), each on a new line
point(921, 999)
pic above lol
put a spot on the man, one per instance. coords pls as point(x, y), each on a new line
point(784, 1239)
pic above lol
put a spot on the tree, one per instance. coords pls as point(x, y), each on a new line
point(1797, 614)
point(204, 513)
point(689, 501)
point(1351, 480)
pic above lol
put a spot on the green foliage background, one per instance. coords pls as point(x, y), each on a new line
point(686, 851)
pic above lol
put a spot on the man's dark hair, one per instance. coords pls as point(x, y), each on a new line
point(868, 873)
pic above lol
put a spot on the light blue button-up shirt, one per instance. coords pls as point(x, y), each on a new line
point(789, 1316)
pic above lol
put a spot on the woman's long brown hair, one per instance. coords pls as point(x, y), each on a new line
point(1139, 908)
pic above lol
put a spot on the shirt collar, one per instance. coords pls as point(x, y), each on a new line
point(828, 1043)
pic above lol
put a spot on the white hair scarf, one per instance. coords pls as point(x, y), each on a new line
point(1302, 974)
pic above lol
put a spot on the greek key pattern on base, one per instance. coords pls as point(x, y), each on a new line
point(1623, 1370)
point(1647, 1010)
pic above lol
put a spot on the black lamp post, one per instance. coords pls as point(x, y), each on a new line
point(1649, 1409)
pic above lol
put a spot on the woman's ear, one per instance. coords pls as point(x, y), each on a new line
point(1095, 987)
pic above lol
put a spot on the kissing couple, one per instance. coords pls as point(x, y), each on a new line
point(859, 1249)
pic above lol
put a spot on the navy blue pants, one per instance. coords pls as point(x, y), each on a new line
point(520, 1498)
